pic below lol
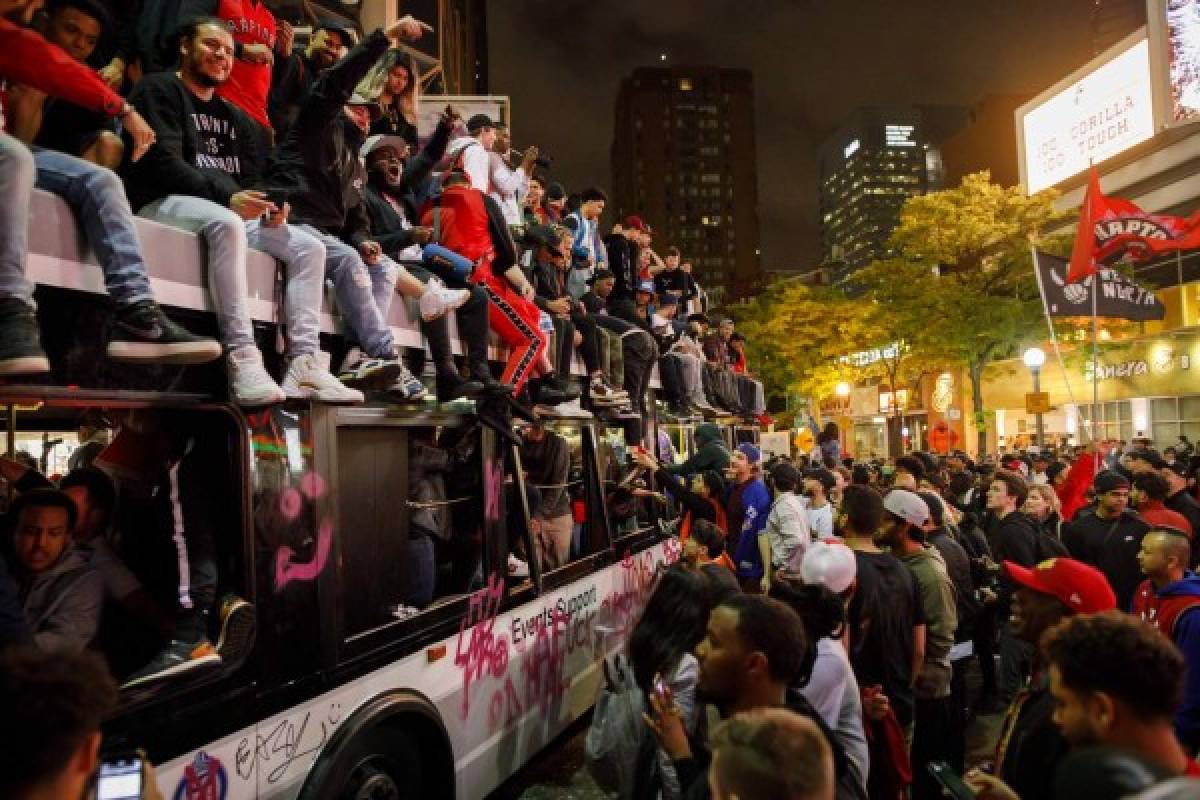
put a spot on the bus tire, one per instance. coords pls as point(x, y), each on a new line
point(377, 755)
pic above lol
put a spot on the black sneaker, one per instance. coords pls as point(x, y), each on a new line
point(20, 349)
point(369, 374)
point(176, 659)
point(237, 630)
point(143, 333)
point(451, 387)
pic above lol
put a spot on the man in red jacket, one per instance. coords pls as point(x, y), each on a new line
point(142, 332)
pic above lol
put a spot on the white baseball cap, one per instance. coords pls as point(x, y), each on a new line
point(907, 505)
point(830, 564)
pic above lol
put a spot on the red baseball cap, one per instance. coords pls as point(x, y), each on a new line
point(637, 224)
point(1081, 588)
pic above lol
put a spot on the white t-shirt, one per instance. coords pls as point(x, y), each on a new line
point(820, 521)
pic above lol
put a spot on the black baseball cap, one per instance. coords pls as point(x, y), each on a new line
point(600, 275)
point(344, 31)
point(480, 121)
point(543, 236)
point(1151, 457)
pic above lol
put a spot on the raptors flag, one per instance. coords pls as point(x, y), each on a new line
point(1119, 298)
point(1111, 228)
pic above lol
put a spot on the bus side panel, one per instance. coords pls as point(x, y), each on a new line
point(505, 686)
point(221, 769)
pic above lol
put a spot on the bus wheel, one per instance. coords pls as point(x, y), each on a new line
point(378, 763)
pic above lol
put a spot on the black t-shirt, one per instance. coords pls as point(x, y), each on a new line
point(885, 607)
point(69, 128)
point(217, 136)
point(673, 280)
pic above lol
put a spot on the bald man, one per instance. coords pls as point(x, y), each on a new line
point(1166, 600)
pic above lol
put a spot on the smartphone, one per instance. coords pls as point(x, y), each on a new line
point(951, 781)
point(120, 777)
point(660, 686)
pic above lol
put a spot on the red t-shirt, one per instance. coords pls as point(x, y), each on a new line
point(250, 22)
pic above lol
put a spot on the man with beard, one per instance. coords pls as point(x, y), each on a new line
point(393, 186)
point(197, 178)
point(294, 76)
point(317, 169)
point(508, 184)
point(1030, 744)
point(1109, 535)
point(1113, 682)
point(751, 654)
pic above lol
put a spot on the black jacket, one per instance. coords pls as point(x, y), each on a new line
point(1013, 538)
point(958, 566)
point(1111, 546)
point(292, 78)
point(623, 261)
point(386, 226)
point(169, 166)
point(317, 168)
point(1035, 747)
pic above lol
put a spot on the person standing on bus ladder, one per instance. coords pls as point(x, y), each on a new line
point(141, 331)
point(747, 508)
point(547, 461)
point(196, 178)
point(317, 168)
point(471, 224)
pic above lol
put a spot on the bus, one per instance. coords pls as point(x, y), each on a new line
point(349, 688)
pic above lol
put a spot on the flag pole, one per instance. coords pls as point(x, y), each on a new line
point(1062, 364)
point(1095, 361)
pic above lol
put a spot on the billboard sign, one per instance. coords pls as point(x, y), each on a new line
point(1092, 116)
point(1181, 19)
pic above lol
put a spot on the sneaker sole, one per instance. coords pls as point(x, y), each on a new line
point(176, 353)
point(210, 660)
point(372, 380)
point(307, 392)
point(24, 365)
point(256, 402)
point(237, 633)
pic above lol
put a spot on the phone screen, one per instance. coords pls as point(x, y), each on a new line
point(951, 781)
point(120, 779)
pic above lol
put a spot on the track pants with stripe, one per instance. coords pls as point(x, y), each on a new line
point(515, 320)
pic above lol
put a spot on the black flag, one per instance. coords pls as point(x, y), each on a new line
point(1120, 298)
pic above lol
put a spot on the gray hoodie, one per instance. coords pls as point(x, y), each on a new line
point(63, 603)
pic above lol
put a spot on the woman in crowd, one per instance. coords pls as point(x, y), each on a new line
point(392, 84)
point(660, 649)
point(1043, 506)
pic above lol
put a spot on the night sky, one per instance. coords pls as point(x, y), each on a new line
point(813, 62)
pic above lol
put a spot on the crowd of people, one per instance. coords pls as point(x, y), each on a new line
point(209, 118)
point(897, 609)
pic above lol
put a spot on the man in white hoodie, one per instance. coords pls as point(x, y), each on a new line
point(473, 153)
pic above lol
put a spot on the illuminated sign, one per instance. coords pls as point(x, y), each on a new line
point(899, 135)
point(1102, 114)
point(1183, 47)
point(851, 148)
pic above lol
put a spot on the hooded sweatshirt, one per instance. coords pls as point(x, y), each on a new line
point(1013, 538)
point(941, 620)
point(1171, 610)
point(710, 452)
point(63, 603)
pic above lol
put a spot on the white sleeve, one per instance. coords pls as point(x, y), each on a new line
point(508, 181)
point(477, 164)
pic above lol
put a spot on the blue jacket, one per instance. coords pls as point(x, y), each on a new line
point(756, 501)
point(1175, 602)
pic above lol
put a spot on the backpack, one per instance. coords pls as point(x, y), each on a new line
point(614, 741)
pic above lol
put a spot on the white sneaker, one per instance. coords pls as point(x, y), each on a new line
point(249, 382)
point(517, 568)
point(438, 300)
point(567, 410)
point(306, 378)
point(407, 388)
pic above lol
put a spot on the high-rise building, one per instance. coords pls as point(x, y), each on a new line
point(683, 158)
point(985, 142)
point(867, 169)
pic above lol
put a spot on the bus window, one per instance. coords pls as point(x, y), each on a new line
point(409, 512)
point(630, 510)
point(160, 522)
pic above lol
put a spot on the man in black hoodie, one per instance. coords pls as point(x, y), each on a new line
point(1013, 537)
point(317, 170)
point(393, 188)
point(1109, 535)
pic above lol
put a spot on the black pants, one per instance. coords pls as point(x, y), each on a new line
point(671, 376)
point(933, 739)
point(588, 347)
point(472, 324)
point(640, 352)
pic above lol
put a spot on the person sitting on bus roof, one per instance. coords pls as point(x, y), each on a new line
point(394, 184)
point(197, 177)
point(318, 171)
point(638, 351)
point(142, 332)
point(60, 592)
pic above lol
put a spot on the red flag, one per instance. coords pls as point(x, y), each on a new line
point(1111, 228)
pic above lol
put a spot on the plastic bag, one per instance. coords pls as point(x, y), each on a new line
point(615, 738)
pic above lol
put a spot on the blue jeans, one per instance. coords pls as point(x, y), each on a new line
point(229, 239)
point(97, 197)
point(364, 293)
point(16, 182)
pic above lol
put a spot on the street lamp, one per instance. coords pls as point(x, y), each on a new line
point(1034, 358)
point(842, 389)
